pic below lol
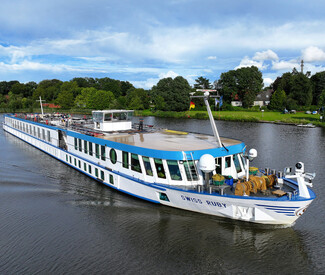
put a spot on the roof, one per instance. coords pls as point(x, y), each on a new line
point(164, 140)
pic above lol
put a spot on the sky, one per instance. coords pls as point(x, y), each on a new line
point(142, 41)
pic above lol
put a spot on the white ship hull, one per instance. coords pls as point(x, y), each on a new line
point(277, 211)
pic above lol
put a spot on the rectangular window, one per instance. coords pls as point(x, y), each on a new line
point(219, 166)
point(85, 166)
point(79, 163)
point(90, 148)
point(89, 169)
point(237, 163)
point(227, 162)
point(43, 134)
point(190, 170)
point(75, 143)
point(80, 144)
point(175, 174)
point(102, 175)
point(75, 162)
point(70, 159)
point(96, 172)
point(34, 130)
point(135, 163)
point(147, 166)
point(111, 179)
point(97, 150)
point(66, 157)
point(38, 132)
point(160, 168)
point(125, 160)
point(103, 152)
point(48, 136)
point(85, 146)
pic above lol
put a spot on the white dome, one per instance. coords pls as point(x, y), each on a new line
point(207, 163)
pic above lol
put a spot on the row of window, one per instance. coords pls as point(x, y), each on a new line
point(32, 130)
point(88, 148)
point(88, 168)
point(132, 161)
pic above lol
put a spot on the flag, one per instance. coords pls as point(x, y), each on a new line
point(216, 103)
point(192, 105)
point(220, 101)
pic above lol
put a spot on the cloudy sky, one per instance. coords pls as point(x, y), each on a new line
point(142, 41)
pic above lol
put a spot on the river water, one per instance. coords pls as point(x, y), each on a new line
point(55, 220)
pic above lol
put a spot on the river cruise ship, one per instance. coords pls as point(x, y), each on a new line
point(190, 171)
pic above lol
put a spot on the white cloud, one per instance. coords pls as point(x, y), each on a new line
point(247, 62)
point(168, 74)
point(265, 55)
point(285, 65)
point(211, 57)
point(267, 81)
point(312, 54)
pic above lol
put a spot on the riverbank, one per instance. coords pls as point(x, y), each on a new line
point(242, 116)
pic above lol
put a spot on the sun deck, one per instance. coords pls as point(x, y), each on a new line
point(169, 141)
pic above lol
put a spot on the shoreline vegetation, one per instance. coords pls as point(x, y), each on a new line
point(241, 116)
point(238, 116)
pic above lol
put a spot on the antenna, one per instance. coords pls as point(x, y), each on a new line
point(206, 97)
point(40, 101)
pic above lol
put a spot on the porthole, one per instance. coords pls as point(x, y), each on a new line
point(112, 156)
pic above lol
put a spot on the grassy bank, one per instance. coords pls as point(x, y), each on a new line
point(243, 116)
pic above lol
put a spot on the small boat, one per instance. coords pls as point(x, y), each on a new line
point(190, 171)
point(308, 125)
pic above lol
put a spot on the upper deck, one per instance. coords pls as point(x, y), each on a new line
point(168, 140)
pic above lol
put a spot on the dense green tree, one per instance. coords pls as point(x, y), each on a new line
point(48, 90)
point(243, 83)
point(318, 84)
point(5, 86)
point(175, 93)
point(301, 90)
point(65, 99)
point(71, 86)
point(91, 98)
point(202, 83)
point(143, 98)
point(278, 100)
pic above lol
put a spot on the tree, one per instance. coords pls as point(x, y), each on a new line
point(65, 99)
point(301, 90)
point(278, 100)
point(318, 84)
point(202, 83)
point(48, 90)
point(174, 92)
point(243, 83)
point(91, 98)
point(137, 96)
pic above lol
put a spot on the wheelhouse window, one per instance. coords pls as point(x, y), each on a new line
point(190, 170)
point(135, 163)
point(219, 165)
point(160, 168)
point(75, 143)
point(227, 162)
point(147, 166)
point(237, 163)
point(125, 159)
point(112, 156)
point(175, 174)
